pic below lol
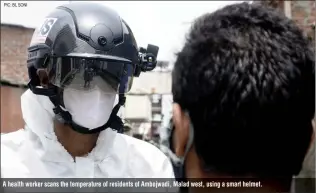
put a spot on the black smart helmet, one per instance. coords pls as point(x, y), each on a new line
point(83, 45)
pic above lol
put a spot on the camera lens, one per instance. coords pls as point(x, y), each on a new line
point(102, 41)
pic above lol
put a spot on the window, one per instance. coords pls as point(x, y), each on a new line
point(156, 98)
point(156, 117)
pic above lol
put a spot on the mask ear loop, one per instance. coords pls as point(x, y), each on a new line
point(179, 161)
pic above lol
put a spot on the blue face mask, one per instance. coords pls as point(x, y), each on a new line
point(177, 162)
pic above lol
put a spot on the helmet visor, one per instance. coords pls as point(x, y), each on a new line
point(110, 74)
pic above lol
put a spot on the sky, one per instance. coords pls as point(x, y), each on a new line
point(162, 23)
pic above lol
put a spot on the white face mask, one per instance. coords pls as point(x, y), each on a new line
point(90, 109)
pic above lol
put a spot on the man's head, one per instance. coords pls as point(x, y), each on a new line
point(245, 80)
point(83, 55)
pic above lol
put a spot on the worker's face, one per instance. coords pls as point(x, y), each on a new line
point(90, 108)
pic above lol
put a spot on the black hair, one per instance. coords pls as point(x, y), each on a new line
point(246, 77)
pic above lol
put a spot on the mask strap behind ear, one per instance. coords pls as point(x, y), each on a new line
point(178, 161)
point(190, 138)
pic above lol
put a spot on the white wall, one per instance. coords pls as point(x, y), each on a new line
point(137, 107)
point(147, 81)
point(287, 9)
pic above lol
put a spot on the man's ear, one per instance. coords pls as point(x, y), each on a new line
point(181, 130)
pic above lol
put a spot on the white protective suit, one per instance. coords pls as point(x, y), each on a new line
point(34, 152)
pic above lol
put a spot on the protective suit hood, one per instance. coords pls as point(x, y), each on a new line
point(34, 152)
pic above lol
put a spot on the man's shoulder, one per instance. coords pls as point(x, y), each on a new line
point(150, 156)
point(13, 138)
point(143, 146)
point(11, 142)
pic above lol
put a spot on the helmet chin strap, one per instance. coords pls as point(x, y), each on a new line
point(114, 122)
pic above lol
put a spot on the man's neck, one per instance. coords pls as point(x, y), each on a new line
point(195, 170)
point(245, 184)
point(241, 185)
point(75, 143)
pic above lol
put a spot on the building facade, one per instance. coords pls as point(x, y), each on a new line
point(15, 40)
